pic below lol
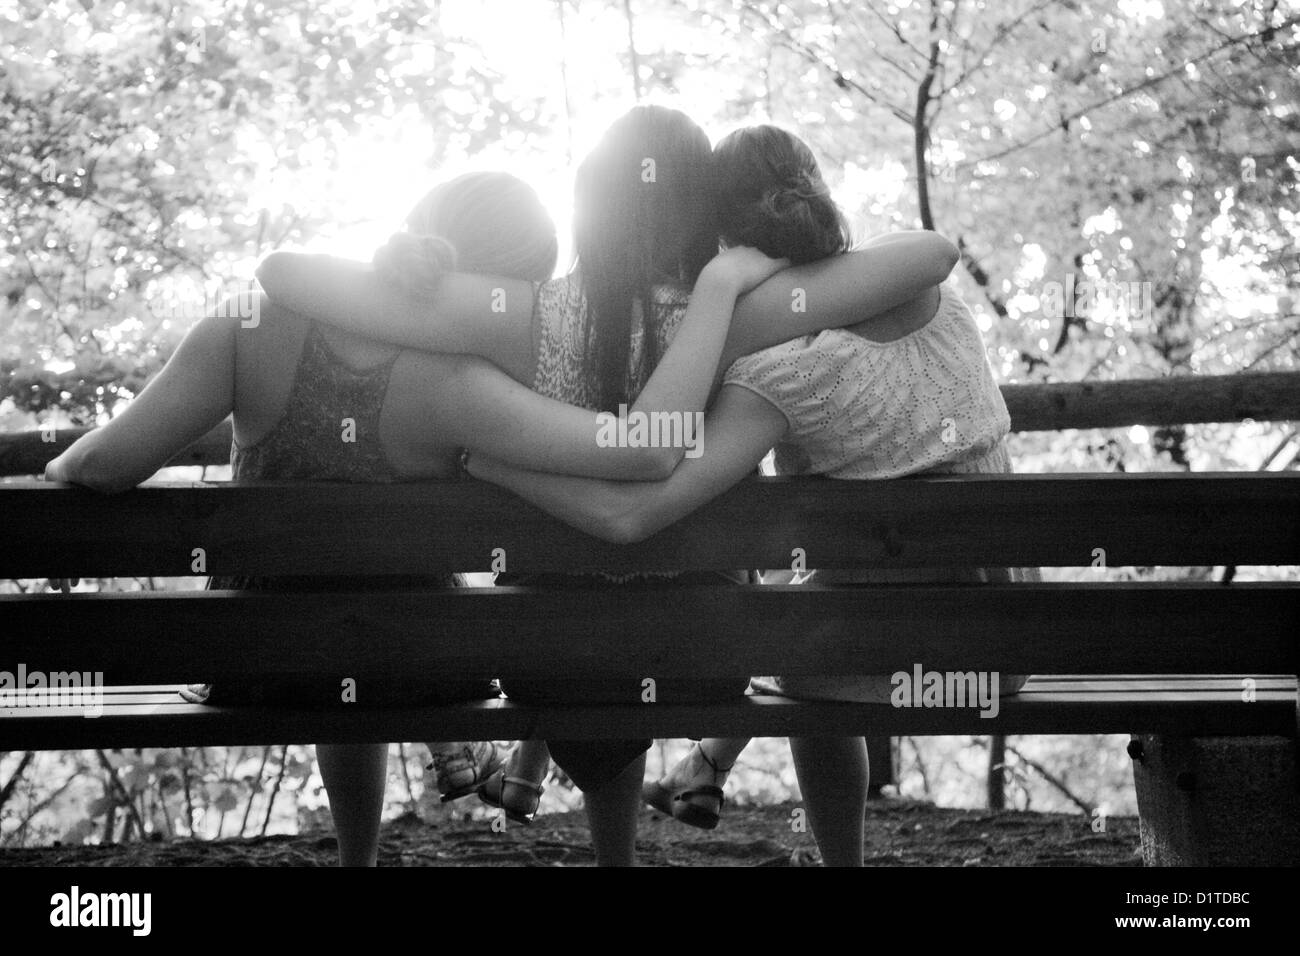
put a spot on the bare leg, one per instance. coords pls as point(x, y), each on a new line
point(517, 787)
point(723, 751)
point(833, 776)
point(612, 812)
point(354, 776)
point(531, 760)
point(694, 769)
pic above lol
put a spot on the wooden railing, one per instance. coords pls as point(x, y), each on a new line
point(1187, 400)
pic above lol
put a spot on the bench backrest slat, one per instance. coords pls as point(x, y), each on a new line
point(158, 637)
point(431, 527)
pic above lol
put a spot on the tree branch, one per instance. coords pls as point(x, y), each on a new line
point(920, 132)
point(12, 782)
point(1123, 94)
point(1047, 775)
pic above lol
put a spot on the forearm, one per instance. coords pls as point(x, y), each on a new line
point(897, 235)
point(742, 426)
point(96, 461)
point(840, 291)
point(193, 392)
point(683, 380)
point(487, 316)
point(603, 509)
point(344, 293)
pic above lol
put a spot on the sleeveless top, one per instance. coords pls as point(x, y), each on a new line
point(561, 317)
point(329, 405)
point(329, 431)
point(855, 409)
point(862, 409)
point(307, 443)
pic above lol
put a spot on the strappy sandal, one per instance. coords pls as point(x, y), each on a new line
point(482, 757)
point(493, 792)
point(658, 796)
point(196, 693)
point(699, 807)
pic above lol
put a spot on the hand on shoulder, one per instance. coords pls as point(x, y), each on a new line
point(742, 268)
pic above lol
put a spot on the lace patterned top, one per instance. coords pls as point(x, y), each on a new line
point(861, 409)
point(926, 402)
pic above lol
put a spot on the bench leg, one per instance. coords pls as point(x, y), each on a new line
point(1217, 801)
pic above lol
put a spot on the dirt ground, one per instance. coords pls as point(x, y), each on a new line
point(899, 833)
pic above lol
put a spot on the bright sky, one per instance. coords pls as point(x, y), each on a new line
point(528, 55)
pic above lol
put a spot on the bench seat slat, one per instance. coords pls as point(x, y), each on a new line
point(1211, 685)
point(160, 718)
point(181, 724)
point(1217, 688)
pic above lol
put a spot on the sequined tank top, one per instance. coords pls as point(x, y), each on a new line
point(329, 432)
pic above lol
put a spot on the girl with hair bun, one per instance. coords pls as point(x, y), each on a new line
point(773, 197)
point(907, 392)
point(485, 222)
point(491, 223)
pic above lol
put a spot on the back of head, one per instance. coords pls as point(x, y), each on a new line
point(487, 222)
point(772, 196)
point(643, 216)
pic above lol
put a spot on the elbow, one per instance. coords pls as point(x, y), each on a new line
point(90, 470)
point(657, 464)
point(946, 257)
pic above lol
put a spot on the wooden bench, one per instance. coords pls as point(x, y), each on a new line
point(1215, 758)
point(1147, 658)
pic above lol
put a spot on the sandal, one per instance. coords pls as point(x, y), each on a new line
point(699, 806)
point(196, 693)
point(493, 793)
point(481, 759)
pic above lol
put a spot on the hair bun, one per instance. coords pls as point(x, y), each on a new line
point(784, 197)
point(416, 262)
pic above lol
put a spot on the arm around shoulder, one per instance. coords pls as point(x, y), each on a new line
point(843, 290)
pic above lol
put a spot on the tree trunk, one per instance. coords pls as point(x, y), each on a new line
point(995, 789)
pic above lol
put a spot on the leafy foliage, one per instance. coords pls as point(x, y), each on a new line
point(153, 150)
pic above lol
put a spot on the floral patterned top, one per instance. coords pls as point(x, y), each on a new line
point(560, 310)
point(561, 319)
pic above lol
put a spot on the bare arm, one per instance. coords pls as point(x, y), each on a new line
point(488, 316)
point(488, 412)
point(492, 317)
point(194, 391)
point(741, 428)
point(839, 291)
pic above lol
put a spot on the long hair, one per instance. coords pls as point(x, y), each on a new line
point(772, 196)
point(644, 215)
point(487, 222)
